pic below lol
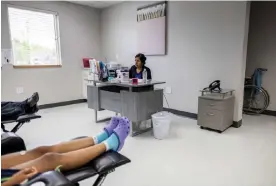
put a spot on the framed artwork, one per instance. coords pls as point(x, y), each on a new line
point(151, 25)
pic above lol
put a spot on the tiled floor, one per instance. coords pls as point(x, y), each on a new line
point(189, 157)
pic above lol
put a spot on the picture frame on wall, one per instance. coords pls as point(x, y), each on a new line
point(151, 29)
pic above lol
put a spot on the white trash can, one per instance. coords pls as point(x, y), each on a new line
point(161, 124)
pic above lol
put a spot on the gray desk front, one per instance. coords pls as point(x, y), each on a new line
point(136, 102)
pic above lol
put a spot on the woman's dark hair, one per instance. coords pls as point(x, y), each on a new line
point(142, 58)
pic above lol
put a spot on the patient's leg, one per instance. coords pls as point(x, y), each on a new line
point(13, 159)
point(32, 110)
point(4, 103)
point(51, 161)
point(77, 158)
point(68, 160)
point(32, 101)
point(11, 111)
point(30, 104)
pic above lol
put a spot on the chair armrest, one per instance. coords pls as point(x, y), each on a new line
point(50, 178)
point(23, 118)
point(28, 117)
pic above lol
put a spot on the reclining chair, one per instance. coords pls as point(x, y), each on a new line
point(20, 121)
point(14, 143)
point(101, 166)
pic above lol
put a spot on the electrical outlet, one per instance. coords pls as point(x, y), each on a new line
point(19, 90)
point(117, 57)
point(168, 90)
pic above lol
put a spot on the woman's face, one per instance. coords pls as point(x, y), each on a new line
point(138, 62)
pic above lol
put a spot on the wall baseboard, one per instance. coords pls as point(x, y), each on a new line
point(60, 104)
point(181, 113)
point(236, 124)
point(269, 112)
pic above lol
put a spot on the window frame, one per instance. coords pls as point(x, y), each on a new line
point(57, 36)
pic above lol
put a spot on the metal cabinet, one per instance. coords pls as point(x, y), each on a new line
point(215, 112)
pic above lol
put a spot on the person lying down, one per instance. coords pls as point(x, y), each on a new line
point(11, 110)
point(20, 166)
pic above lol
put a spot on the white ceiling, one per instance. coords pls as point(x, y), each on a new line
point(97, 4)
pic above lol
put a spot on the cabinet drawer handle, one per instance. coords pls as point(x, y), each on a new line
point(212, 104)
point(210, 114)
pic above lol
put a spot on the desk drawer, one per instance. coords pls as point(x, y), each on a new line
point(110, 101)
point(139, 106)
point(211, 118)
point(214, 104)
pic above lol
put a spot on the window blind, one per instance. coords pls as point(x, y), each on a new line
point(34, 37)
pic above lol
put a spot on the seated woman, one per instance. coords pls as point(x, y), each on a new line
point(19, 167)
point(136, 71)
point(12, 110)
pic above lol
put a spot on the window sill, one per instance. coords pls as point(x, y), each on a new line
point(36, 66)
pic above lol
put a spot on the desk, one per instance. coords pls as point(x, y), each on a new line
point(136, 102)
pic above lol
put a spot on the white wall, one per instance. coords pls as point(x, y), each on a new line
point(206, 41)
point(80, 37)
point(262, 45)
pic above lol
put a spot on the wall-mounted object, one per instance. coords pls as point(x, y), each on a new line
point(151, 29)
point(85, 62)
point(7, 57)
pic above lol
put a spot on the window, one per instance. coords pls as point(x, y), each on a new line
point(34, 37)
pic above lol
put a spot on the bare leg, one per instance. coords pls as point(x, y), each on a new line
point(68, 161)
point(17, 158)
point(77, 158)
point(11, 160)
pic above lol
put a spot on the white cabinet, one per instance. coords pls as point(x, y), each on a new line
point(84, 89)
point(85, 76)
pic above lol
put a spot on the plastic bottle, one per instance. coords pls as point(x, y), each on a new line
point(145, 76)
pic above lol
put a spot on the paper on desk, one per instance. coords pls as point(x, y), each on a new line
point(7, 57)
